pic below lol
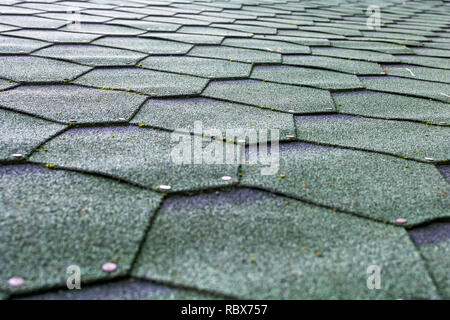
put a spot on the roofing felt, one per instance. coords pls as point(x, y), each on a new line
point(100, 105)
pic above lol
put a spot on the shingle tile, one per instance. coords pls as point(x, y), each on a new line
point(141, 155)
point(36, 69)
point(245, 28)
point(11, 45)
point(306, 76)
point(309, 34)
point(422, 73)
point(255, 246)
point(268, 45)
point(153, 83)
point(132, 289)
point(187, 38)
point(392, 106)
point(432, 52)
point(218, 115)
point(297, 40)
point(177, 20)
point(65, 103)
point(4, 28)
point(213, 31)
point(438, 91)
point(203, 67)
point(92, 55)
point(354, 54)
point(149, 46)
point(332, 30)
point(74, 16)
point(54, 36)
point(391, 35)
point(4, 84)
point(342, 65)
point(237, 54)
point(16, 10)
point(436, 257)
point(371, 45)
point(32, 22)
point(48, 211)
point(441, 63)
point(405, 139)
point(19, 133)
point(369, 184)
point(114, 14)
point(99, 28)
point(146, 25)
point(271, 95)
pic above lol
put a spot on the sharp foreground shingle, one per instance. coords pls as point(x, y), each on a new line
point(224, 149)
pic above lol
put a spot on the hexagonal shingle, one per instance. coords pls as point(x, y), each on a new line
point(238, 54)
point(177, 21)
point(20, 134)
point(4, 9)
point(36, 69)
point(213, 31)
point(129, 289)
point(256, 245)
point(306, 34)
point(114, 14)
point(32, 22)
point(297, 40)
point(433, 242)
point(4, 27)
point(92, 55)
point(245, 28)
point(341, 65)
point(354, 54)
point(67, 102)
point(434, 90)
point(272, 95)
point(146, 25)
point(306, 76)
point(392, 106)
point(5, 84)
point(184, 37)
point(182, 113)
point(13, 45)
point(391, 35)
point(145, 156)
point(272, 46)
point(442, 63)
point(406, 139)
point(54, 36)
point(150, 82)
point(149, 46)
point(47, 211)
point(422, 73)
point(203, 67)
point(71, 16)
point(106, 29)
point(372, 45)
point(369, 184)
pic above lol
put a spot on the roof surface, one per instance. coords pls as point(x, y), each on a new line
point(91, 93)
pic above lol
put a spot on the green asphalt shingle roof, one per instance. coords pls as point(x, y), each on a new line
point(92, 171)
